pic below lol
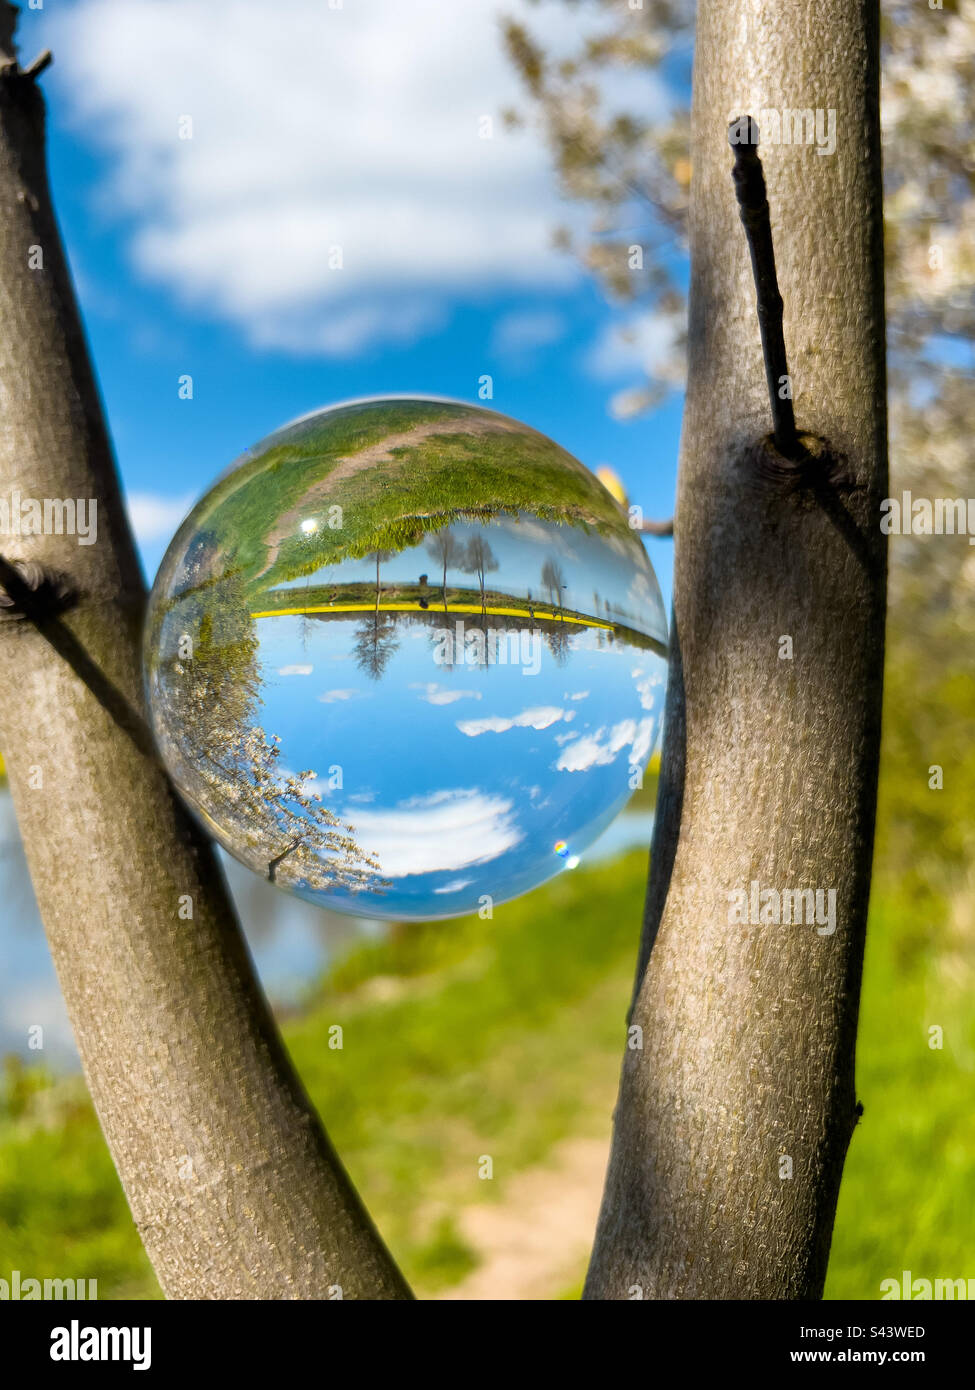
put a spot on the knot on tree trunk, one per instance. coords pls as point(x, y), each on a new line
point(814, 464)
point(28, 590)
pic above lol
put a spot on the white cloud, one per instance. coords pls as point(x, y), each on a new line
point(643, 743)
point(455, 885)
point(600, 748)
point(646, 689)
point(579, 695)
point(449, 830)
point(521, 333)
point(313, 129)
point(350, 329)
point(440, 695)
point(330, 696)
point(295, 670)
point(154, 516)
point(643, 345)
point(541, 718)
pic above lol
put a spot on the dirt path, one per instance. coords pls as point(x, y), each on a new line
point(350, 464)
point(534, 1244)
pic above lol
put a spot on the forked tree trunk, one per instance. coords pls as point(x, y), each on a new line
point(233, 1184)
point(769, 770)
point(733, 1120)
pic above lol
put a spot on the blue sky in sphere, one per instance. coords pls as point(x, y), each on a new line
point(469, 754)
point(358, 127)
point(461, 779)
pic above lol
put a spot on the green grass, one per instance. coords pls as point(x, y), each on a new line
point(395, 503)
point(460, 1039)
point(495, 1038)
point(62, 1212)
point(503, 1037)
point(906, 1200)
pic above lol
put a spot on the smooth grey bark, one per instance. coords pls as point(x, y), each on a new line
point(233, 1184)
point(770, 765)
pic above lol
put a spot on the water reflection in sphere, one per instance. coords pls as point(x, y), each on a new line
point(406, 658)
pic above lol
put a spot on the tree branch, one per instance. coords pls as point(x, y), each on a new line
point(272, 868)
point(40, 64)
point(41, 603)
point(743, 136)
point(657, 528)
point(233, 1183)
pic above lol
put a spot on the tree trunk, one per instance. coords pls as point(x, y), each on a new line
point(231, 1179)
point(770, 763)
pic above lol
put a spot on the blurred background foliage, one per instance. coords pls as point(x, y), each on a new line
point(505, 1037)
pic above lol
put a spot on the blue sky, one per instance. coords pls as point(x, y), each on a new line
point(313, 128)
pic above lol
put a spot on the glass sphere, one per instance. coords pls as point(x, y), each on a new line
point(406, 658)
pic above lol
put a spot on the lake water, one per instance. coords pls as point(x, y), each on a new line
point(292, 942)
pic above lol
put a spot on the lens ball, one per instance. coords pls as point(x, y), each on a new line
point(399, 651)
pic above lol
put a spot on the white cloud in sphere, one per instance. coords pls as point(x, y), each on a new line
point(448, 830)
